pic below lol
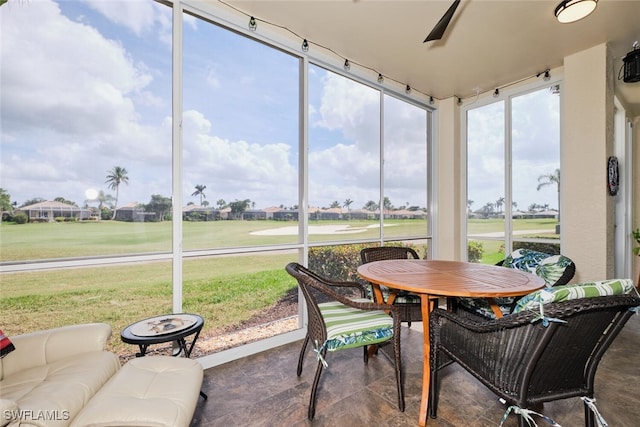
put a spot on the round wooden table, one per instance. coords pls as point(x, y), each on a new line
point(431, 278)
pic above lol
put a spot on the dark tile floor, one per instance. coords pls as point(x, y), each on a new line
point(263, 390)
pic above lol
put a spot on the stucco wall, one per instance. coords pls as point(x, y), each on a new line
point(450, 240)
point(587, 141)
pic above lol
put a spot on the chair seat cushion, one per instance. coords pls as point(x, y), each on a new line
point(552, 268)
point(349, 327)
point(569, 292)
point(548, 267)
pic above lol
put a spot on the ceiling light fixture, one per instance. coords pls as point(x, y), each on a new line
point(407, 89)
point(380, 78)
point(347, 65)
point(574, 10)
point(496, 93)
point(305, 45)
point(431, 100)
point(253, 24)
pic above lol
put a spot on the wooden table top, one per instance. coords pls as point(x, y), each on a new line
point(450, 278)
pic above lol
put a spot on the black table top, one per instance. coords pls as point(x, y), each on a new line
point(163, 328)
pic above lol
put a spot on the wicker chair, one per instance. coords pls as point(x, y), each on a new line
point(365, 323)
point(408, 303)
point(526, 363)
point(556, 270)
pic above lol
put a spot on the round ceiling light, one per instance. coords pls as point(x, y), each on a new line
point(574, 10)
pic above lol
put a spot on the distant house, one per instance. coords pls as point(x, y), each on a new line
point(50, 210)
point(545, 214)
point(200, 213)
point(133, 212)
point(364, 214)
point(254, 214)
point(285, 215)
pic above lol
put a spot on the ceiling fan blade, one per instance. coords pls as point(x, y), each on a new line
point(441, 26)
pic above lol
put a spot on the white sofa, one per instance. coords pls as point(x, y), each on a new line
point(64, 377)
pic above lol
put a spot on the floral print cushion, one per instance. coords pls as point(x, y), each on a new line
point(349, 327)
point(524, 259)
point(548, 267)
point(552, 268)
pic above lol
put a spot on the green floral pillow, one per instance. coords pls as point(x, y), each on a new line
point(552, 268)
point(569, 292)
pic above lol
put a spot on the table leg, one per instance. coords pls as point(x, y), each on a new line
point(143, 350)
point(495, 307)
point(426, 306)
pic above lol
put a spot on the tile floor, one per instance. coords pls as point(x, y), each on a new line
point(263, 390)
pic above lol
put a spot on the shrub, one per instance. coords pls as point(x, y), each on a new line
point(475, 250)
point(341, 262)
point(21, 218)
point(547, 248)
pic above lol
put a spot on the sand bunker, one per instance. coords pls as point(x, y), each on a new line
point(317, 229)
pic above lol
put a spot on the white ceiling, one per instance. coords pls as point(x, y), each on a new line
point(488, 44)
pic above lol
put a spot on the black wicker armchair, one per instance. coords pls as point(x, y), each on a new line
point(408, 303)
point(337, 322)
point(526, 363)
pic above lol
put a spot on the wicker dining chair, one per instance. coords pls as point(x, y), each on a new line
point(527, 363)
point(408, 302)
point(338, 322)
point(555, 270)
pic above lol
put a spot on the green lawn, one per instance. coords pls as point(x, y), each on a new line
point(224, 290)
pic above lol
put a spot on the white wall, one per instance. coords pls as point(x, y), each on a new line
point(587, 141)
point(448, 208)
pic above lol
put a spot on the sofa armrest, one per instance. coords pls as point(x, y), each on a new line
point(43, 347)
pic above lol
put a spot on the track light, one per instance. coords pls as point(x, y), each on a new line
point(574, 10)
point(253, 24)
point(380, 78)
point(546, 77)
point(305, 45)
point(347, 65)
point(407, 89)
point(496, 93)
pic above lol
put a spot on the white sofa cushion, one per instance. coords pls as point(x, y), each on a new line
point(44, 347)
point(53, 394)
point(147, 391)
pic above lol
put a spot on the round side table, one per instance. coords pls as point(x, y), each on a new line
point(162, 329)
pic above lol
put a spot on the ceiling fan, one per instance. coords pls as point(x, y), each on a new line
point(441, 26)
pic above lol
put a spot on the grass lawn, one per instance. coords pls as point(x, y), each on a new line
point(224, 294)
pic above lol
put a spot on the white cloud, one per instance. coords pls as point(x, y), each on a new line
point(139, 16)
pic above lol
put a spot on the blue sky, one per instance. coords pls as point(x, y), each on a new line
point(86, 86)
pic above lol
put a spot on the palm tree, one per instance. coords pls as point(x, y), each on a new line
point(371, 206)
point(551, 179)
point(115, 177)
point(499, 204)
point(347, 203)
point(200, 192)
